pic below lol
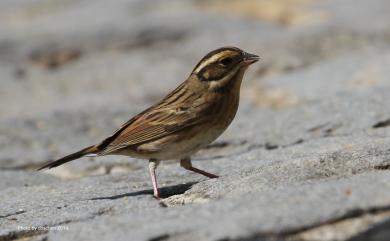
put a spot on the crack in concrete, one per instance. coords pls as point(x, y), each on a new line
point(288, 234)
point(22, 234)
point(381, 230)
point(13, 214)
point(382, 167)
point(162, 237)
point(354, 213)
point(382, 124)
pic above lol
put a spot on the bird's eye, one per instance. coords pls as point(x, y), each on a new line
point(226, 61)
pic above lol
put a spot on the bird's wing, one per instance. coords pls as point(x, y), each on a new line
point(148, 126)
point(180, 109)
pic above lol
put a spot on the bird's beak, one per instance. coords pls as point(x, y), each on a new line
point(250, 58)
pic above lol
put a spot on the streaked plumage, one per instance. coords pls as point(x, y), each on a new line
point(186, 120)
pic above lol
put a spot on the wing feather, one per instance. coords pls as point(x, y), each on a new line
point(150, 127)
point(168, 117)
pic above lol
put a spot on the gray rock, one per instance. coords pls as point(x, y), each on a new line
point(307, 157)
point(24, 179)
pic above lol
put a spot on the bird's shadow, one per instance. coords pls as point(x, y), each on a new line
point(164, 192)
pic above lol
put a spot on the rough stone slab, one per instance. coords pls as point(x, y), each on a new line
point(309, 148)
point(24, 179)
point(260, 213)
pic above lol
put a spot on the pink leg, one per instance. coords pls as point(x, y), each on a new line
point(153, 163)
point(186, 163)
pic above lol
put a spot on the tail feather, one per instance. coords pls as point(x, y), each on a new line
point(71, 157)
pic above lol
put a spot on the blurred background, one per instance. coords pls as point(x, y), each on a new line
point(72, 71)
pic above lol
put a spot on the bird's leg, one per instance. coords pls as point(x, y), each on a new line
point(186, 163)
point(153, 163)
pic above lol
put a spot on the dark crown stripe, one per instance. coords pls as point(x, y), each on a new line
point(212, 53)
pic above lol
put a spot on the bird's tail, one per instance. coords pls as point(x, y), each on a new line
point(89, 150)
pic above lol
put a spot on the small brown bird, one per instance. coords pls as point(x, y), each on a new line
point(186, 120)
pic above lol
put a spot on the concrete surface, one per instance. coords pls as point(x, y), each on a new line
point(307, 157)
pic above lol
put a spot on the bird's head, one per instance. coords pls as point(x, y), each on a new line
point(223, 68)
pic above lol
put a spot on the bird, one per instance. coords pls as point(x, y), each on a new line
point(189, 118)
